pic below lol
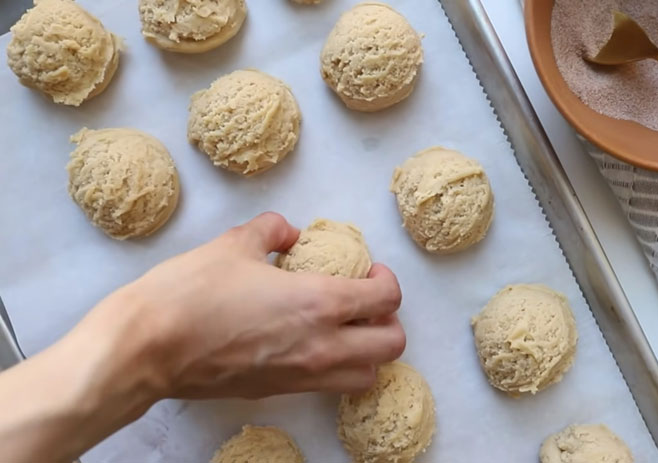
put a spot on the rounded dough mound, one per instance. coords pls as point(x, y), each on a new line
point(330, 248)
point(525, 338)
point(60, 49)
point(191, 26)
point(124, 180)
point(444, 198)
point(585, 443)
point(259, 444)
point(246, 122)
point(391, 423)
point(372, 57)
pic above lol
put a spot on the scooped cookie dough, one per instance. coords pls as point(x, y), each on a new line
point(444, 198)
point(124, 181)
point(330, 248)
point(372, 57)
point(191, 26)
point(246, 122)
point(585, 443)
point(391, 423)
point(259, 444)
point(63, 51)
point(525, 338)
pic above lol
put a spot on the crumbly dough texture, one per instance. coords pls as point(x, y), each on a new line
point(330, 248)
point(372, 57)
point(124, 180)
point(60, 49)
point(585, 443)
point(246, 122)
point(525, 338)
point(191, 26)
point(444, 198)
point(391, 423)
point(259, 444)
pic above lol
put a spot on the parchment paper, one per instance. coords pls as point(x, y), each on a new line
point(55, 266)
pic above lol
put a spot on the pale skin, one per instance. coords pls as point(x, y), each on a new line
point(215, 322)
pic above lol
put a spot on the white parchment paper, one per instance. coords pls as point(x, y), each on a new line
point(55, 266)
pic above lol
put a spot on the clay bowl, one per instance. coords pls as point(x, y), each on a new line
point(625, 140)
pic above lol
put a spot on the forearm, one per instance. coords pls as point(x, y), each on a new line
point(64, 400)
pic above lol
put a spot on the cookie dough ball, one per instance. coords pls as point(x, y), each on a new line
point(444, 198)
point(525, 338)
point(372, 57)
point(124, 181)
point(246, 122)
point(393, 422)
point(585, 443)
point(60, 49)
point(259, 444)
point(330, 248)
point(191, 26)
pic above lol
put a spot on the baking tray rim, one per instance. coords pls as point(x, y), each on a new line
point(557, 198)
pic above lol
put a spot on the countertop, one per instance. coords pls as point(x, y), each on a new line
point(605, 214)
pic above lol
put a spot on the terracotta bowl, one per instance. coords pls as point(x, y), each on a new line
point(625, 140)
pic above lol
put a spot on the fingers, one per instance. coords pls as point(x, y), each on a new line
point(345, 360)
point(266, 233)
point(370, 344)
point(352, 380)
point(349, 300)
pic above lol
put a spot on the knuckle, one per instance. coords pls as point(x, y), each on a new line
point(321, 307)
point(312, 309)
point(275, 219)
point(316, 359)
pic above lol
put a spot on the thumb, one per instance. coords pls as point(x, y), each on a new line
point(266, 233)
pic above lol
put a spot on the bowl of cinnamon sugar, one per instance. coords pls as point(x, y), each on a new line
point(614, 107)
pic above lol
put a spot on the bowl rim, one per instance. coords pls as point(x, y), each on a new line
point(626, 140)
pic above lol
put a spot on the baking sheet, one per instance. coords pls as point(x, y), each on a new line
point(55, 266)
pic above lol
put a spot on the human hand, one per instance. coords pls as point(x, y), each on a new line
point(220, 321)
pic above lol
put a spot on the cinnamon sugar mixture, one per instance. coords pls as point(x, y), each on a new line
point(580, 28)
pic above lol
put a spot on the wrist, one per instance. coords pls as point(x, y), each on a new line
point(114, 374)
point(124, 360)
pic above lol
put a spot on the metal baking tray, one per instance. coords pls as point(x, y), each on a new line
point(574, 233)
point(10, 352)
point(540, 164)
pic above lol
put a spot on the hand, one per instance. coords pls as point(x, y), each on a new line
point(218, 321)
point(224, 322)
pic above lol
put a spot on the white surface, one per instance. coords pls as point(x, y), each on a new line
point(56, 265)
point(605, 214)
